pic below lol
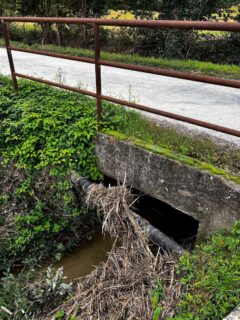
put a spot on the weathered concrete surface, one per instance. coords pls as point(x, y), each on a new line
point(235, 315)
point(212, 200)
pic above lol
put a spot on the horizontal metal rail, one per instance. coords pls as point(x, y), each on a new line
point(173, 116)
point(135, 106)
point(185, 25)
point(54, 55)
point(172, 24)
point(152, 70)
point(173, 74)
point(55, 84)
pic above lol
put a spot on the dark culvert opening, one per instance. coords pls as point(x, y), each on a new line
point(174, 223)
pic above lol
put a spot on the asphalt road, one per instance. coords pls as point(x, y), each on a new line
point(211, 103)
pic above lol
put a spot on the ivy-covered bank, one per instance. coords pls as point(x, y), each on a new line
point(45, 133)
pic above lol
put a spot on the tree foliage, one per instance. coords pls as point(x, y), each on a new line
point(56, 8)
point(168, 9)
point(196, 9)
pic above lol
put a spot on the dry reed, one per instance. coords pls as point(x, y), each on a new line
point(121, 288)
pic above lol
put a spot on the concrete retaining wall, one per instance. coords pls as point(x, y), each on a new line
point(212, 200)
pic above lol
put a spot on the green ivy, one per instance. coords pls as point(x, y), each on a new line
point(45, 134)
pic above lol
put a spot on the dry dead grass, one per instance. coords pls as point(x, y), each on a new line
point(121, 287)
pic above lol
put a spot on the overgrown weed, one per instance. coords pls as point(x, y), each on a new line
point(211, 276)
point(203, 149)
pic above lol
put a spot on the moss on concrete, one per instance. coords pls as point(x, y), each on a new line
point(175, 156)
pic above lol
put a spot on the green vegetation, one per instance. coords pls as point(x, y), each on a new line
point(156, 296)
point(206, 68)
point(169, 153)
point(45, 134)
point(211, 278)
point(23, 296)
point(199, 152)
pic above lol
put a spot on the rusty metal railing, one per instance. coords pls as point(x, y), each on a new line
point(98, 62)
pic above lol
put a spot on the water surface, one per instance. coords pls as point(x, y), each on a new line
point(83, 259)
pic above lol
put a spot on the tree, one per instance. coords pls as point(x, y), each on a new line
point(140, 8)
point(176, 43)
point(196, 9)
point(61, 8)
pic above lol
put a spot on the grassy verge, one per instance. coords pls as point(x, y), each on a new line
point(205, 68)
point(169, 153)
point(200, 152)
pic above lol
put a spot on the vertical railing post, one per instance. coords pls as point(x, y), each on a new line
point(9, 53)
point(98, 73)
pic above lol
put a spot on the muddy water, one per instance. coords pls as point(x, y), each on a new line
point(82, 260)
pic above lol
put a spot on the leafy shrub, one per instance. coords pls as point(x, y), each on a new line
point(27, 34)
point(24, 302)
point(45, 133)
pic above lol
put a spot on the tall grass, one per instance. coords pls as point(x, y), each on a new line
point(136, 126)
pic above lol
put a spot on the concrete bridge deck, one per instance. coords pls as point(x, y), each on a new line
point(209, 198)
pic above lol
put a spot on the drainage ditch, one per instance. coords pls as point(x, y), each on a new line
point(173, 223)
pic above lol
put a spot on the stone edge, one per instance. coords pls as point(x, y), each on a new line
point(235, 315)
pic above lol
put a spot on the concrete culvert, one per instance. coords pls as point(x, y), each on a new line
point(121, 287)
point(155, 235)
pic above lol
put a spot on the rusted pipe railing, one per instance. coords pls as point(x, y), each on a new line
point(171, 24)
point(58, 85)
point(127, 66)
point(9, 53)
point(96, 23)
point(173, 116)
point(54, 55)
point(98, 71)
